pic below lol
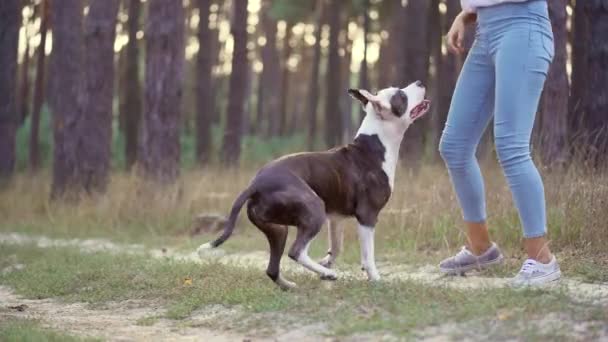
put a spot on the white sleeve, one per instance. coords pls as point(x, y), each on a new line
point(471, 6)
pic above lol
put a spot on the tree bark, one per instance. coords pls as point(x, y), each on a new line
point(67, 19)
point(333, 116)
point(313, 91)
point(554, 107)
point(271, 74)
point(34, 142)
point(10, 12)
point(205, 103)
point(231, 148)
point(416, 68)
point(159, 146)
point(284, 97)
point(596, 104)
point(24, 84)
point(95, 126)
point(132, 103)
point(363, 71)
point(580, 42)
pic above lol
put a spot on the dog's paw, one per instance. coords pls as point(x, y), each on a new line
point(285, 284)
point(206, 251)
point(332, 276)
point(327, 261)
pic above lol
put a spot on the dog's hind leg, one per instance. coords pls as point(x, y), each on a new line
point(336, 240)
point(277, 237)
point(311, 221)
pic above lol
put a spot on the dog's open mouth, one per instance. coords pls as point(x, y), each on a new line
point(420, 109)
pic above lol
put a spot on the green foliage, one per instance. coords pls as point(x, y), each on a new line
point(45, 136)
point(292, 10)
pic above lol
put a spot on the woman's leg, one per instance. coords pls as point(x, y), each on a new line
point(522, 61)
point(470, 112)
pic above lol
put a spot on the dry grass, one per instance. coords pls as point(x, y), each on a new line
point(422, 215)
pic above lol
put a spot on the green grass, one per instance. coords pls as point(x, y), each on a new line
point(19, 330)
point(347, 306)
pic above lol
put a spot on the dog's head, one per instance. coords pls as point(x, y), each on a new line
point(395, 105)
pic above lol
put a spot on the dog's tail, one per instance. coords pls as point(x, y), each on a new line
point(234, 214)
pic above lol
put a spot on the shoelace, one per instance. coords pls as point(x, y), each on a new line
point(527, 267)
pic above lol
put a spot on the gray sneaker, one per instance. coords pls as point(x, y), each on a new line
point(466, 261)
point(534, 273)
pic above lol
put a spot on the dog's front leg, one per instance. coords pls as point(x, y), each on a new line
point(336, 240)
point(366, 241)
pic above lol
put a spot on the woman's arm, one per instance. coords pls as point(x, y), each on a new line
point(455, 36)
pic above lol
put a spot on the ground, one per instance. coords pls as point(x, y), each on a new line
point(122, 268)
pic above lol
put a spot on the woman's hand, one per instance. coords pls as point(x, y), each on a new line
point(455, 36)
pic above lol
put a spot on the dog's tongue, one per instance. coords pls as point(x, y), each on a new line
point(420, 109)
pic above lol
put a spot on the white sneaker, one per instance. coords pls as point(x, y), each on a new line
point(534, 273)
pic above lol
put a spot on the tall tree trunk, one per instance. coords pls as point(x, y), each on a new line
point(553, 118)
point(10, 12)
point(67, 21)
point(231, 148)
point(313, 90)
point(333, 116)
point(24, 84)
point(363, 71)
point(436, 32)
point(596, 104)
point(159, 147)
point(285, 80)
point(205, 103)
point(417, 66)
point(271, 74)
point(580, 42)
point(95, 124)
point(132, 103)
point(346, 103)
point(34, 142)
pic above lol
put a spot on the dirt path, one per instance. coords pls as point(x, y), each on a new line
point(576, 289)
point(119, 321)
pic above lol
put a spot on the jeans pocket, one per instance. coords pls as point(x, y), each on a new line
point(548, 44)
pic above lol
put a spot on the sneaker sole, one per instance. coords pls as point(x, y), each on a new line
point(540, 281)
point(475, 267)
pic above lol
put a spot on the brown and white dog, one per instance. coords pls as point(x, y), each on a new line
point(356, 180)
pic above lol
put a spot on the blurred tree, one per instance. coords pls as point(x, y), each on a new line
point(596, 104)
point(66, 68)
point(159, 145)
point(205, 100)
point(552, 121)
point(363, 71)
point(580, 41)
point(285, 88)
point(95, 122)
point(416, 67)
point(131, 101)
point(10, 12)
point(24, 82)
point(333, 116)
point(34, 141)
point(313, 90)
point(231, 148)
point(271, 74)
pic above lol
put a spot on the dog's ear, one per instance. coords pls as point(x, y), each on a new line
point(358, 95)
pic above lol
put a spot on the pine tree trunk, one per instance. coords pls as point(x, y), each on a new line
point(580, 42)
point(10, 12)
point(24, 84)
point(159, 146)
point(66, 69)
point(554, 107)
point(132, 103)
point(34, 142)
point(231, 148)
point(271, 75)
point(416, 66)
point(284, 97)
point(363, 71)
point(205, 100)
point(333, 116)
point(596, 104)
point(95, 124)
point(313, 90)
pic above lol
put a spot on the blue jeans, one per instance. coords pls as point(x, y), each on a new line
point(503, 76)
